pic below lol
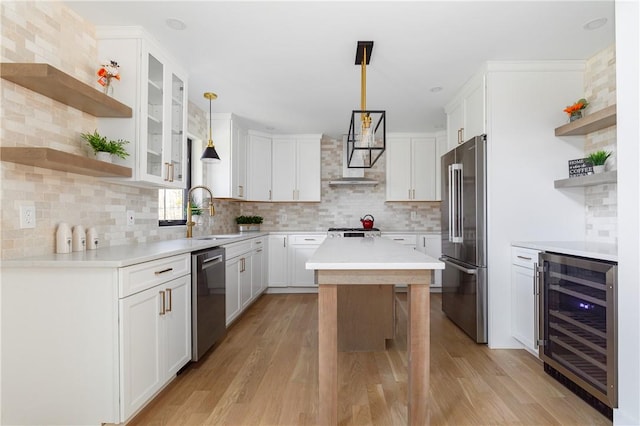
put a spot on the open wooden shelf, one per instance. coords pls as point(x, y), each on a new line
point(602, 119)
point(589, 180)
point(62, 161)
point(59, 86)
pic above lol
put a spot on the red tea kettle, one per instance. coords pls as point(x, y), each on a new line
point(367, 223)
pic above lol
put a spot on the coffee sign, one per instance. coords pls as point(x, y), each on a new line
point(580, 167)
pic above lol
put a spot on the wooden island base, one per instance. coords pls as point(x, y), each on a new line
point(329, 283)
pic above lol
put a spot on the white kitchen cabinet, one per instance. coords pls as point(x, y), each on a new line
point(227, 178)
point(296, 168)
point(109, 346)
point(301, 248)
point(441, 149)
point(155, 331)
point(156, 88)
point(466, 114)
point(278, 261)
point(524, 297)
point(411, 167)
point(238, 278)
point(431, 245)
point(259, 166)
point(259, 266)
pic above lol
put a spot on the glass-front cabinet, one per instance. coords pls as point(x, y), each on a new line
point(156, 88)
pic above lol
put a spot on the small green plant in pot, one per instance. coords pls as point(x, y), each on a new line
point(100, 144)
point(248, 223)
point(598, 159)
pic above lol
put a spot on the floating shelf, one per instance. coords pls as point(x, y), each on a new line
point(48, 158)
point(602, 119)
point(59, 86)
point(589, 180)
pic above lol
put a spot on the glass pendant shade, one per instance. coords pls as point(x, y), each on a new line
point(366, 140)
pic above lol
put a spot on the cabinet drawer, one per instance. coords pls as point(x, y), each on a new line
point(524, 257)
point(404, 239)
point(306, 239)
point(237, 249)
point(142, 276)
point(258, 243)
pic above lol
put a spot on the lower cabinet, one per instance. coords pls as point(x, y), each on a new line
point(278, 261)
point(301, 248)
point(245, 275)
point(431, 245)
point(155, 340)
point(524, 297)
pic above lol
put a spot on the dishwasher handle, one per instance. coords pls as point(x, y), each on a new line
point(211, 262)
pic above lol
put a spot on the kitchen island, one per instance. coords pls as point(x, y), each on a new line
point(355, 262)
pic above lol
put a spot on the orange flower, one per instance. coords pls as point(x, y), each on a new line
point(579, 105)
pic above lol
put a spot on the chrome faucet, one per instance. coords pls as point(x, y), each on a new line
point(190, 222)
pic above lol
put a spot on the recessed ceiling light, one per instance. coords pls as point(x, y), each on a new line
point(595, 24)
point(175, 24)
point(436, 89)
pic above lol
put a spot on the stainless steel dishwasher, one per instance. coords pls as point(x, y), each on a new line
point(208, 323)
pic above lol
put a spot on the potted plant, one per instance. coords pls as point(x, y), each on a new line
point(597, 160)
point(248, 223)
point(576, 110)
point(103, 148)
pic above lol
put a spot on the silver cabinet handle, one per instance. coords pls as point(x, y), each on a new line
point(460, 268)
point(523, 257)
point(536, 306)
point(269, 194)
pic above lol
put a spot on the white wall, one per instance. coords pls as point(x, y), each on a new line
point(524, 106)
point(628, 82)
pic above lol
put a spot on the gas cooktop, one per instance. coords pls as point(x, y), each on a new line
point(353, 229)
point(353, 232)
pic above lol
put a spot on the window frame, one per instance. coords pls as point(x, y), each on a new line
point(180, 222)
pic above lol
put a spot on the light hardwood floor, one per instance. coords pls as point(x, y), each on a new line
point(265, 373)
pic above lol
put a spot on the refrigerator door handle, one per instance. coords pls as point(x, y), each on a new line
point(456, 222)
point(451, 202)
point(458, 267)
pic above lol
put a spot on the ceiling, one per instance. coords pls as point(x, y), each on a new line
point(289, 67)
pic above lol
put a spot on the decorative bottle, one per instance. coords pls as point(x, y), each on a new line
point(63, 238)
point(78, 239)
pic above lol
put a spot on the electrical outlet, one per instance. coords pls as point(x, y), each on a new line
point(131, 218)
point(283, 218)
point(27, 216)
point(414, 215)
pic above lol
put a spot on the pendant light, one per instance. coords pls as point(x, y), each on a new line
point(367, 137)
point(210, 155)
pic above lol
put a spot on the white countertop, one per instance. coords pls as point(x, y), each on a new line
point(369, 253)
point(126, 255)
point(590, 249)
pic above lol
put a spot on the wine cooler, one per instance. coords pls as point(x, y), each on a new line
point(578, 327)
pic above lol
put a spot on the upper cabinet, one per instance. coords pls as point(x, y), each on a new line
point(466, 115)
point(156, 87)
point(227, 178)
point(259, 166)
point(411, 167)
point(298, 172)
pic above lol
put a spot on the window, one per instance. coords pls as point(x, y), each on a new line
point(172, 205)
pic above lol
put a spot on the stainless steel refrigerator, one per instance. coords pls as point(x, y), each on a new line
point(464, 237)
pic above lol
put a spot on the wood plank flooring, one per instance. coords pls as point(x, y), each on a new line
point(265, 372)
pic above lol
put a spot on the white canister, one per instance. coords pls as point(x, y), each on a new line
point(92, 238)
point(78, 239)
point(63, 238)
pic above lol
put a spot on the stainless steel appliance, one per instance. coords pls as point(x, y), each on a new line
point(353, 232)
point(464, 237)
point(578, 343)
point(208, 323)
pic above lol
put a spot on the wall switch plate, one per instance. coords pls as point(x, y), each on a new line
point(27, 216)
point(131, 218)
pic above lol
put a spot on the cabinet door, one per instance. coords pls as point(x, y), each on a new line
point(245, 280)
point(431, 245)
point(284, 174)
point(278, 256)
point(177, 324)
point(441, 149)
point(232, 278)
point(522, 306)
point(398, 155)
point(239, 159)
point(308, 170)
point(152, 147)
point(300, 275)
point(474, 109)
point(455, 125)
point(142, 372)
point(423, 169)
point(257, 268)
point(176, 151)
point(258, 168)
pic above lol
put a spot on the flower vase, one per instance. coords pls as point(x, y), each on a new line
point(108, 88)
point(576, 115)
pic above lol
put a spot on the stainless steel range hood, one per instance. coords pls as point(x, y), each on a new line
point(351, 176)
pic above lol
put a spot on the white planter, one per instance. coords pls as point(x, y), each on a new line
point(598, 169)
point(248, 227)
point(103, 156)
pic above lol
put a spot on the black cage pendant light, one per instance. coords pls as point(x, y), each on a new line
point(210, 155)
point(367, 136)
